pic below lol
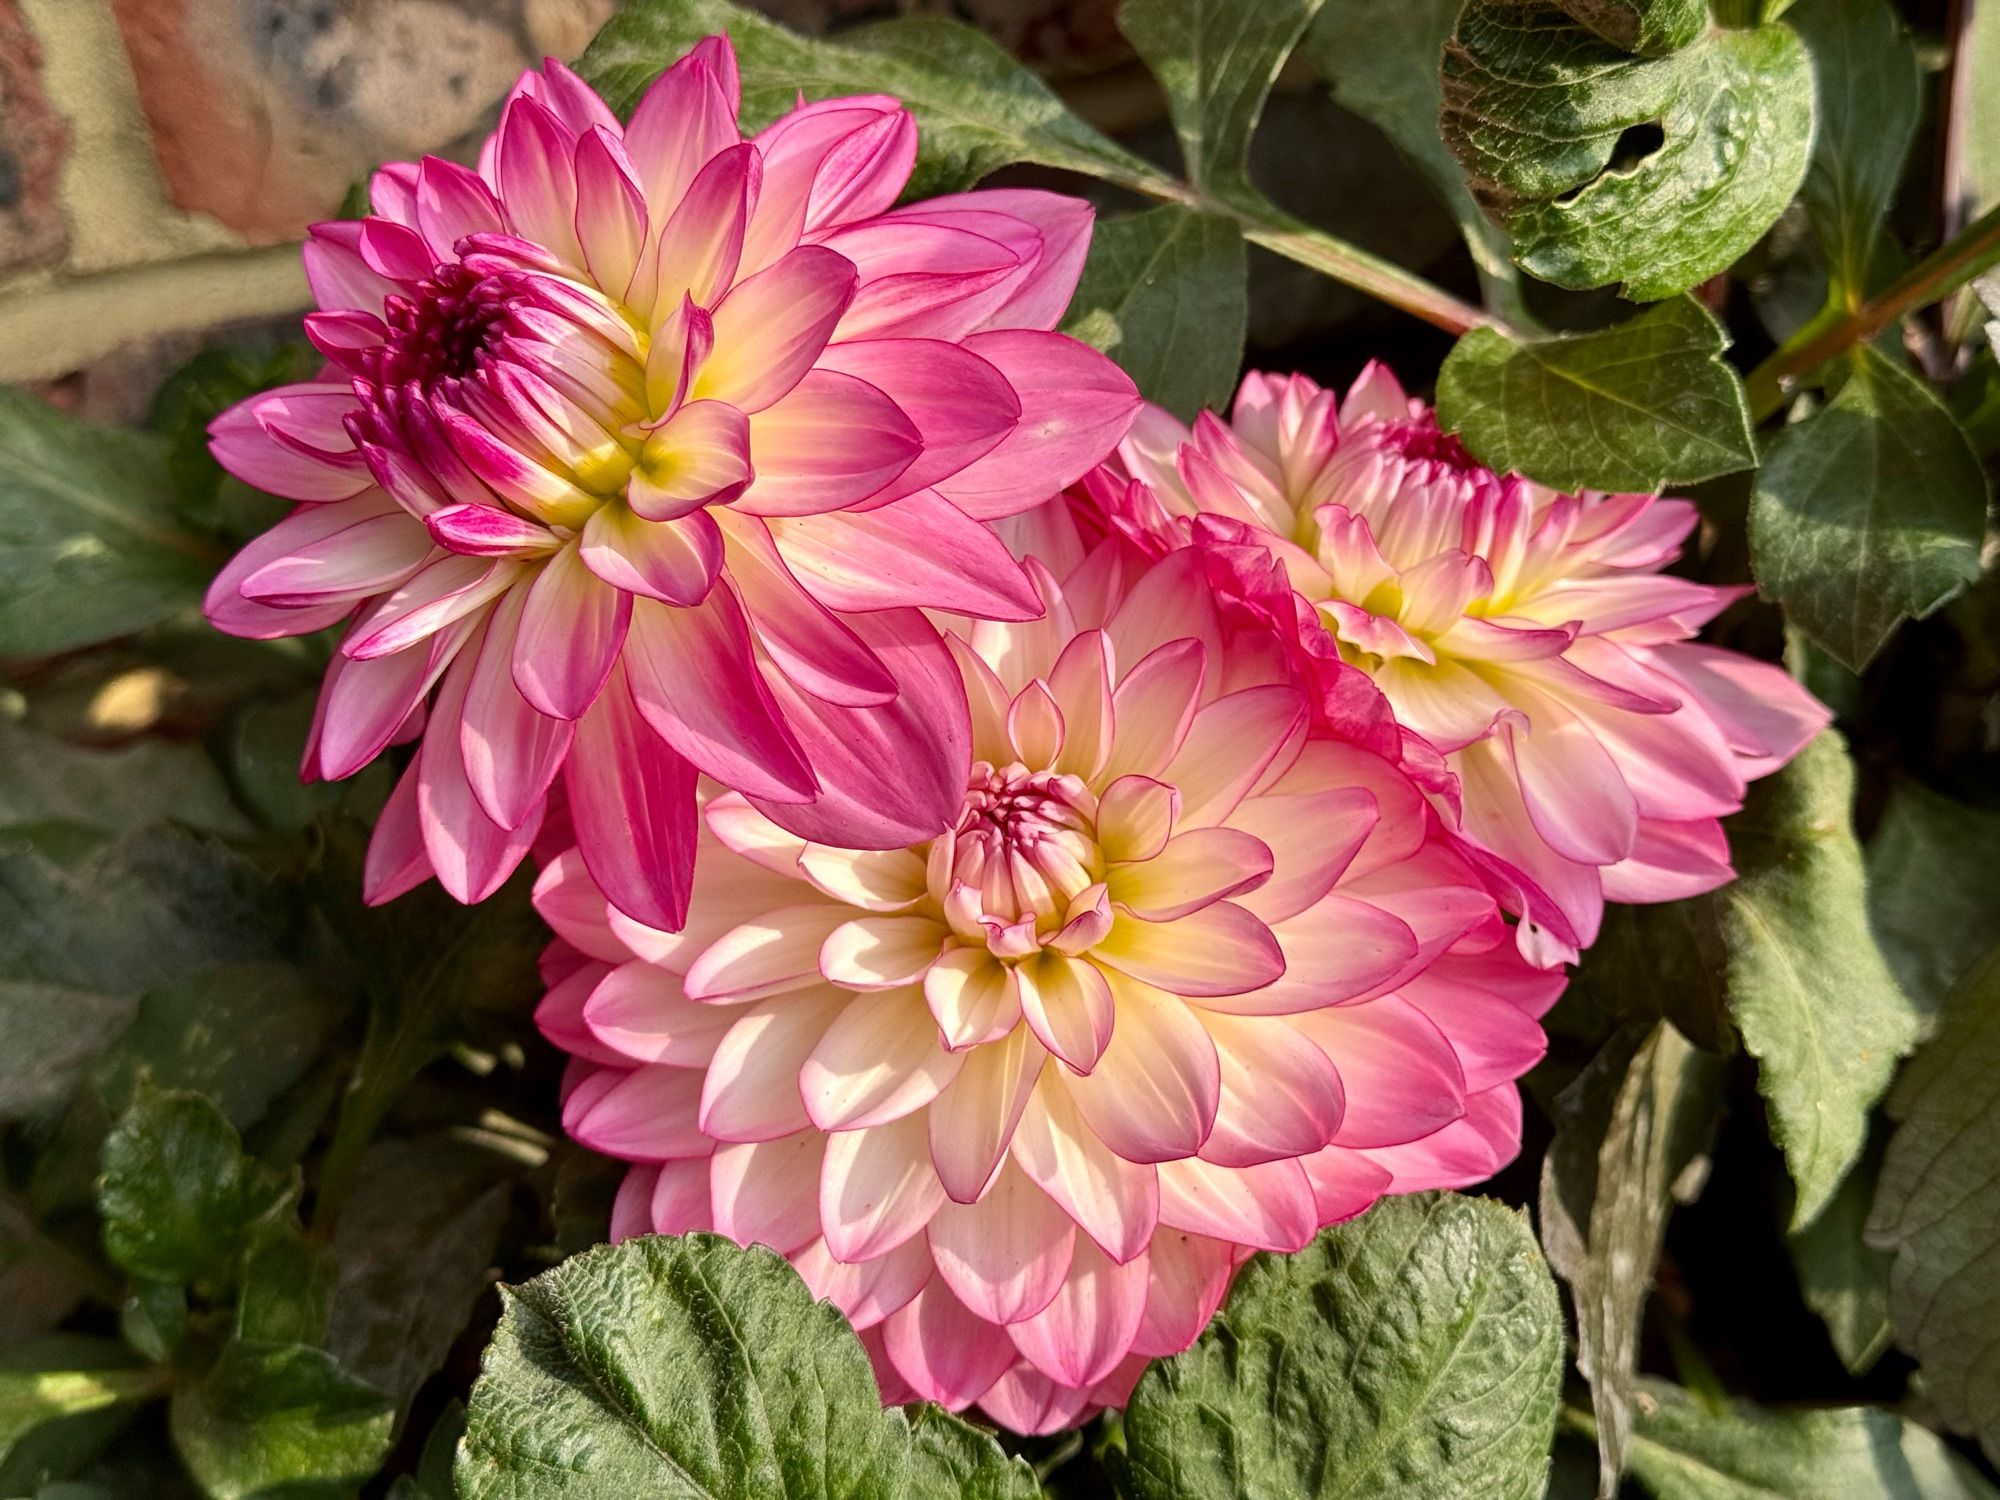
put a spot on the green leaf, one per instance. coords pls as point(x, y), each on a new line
point(1413, 1352)
point(1217, 60)
point(43, 779)
point(33, 1395)
point(1662, 962)
point(239, 1033)
point(1650, 27)
point(692, 1367)
point(977, 109)
point(279, 1422)
point(1684, 1450)
point(89, 548)
point(1632, 1140)
point(262, 749)
point(199, 392)
point(1869, 512)
point(1645, 404)
point(1381, 57)
point(1808, 987)
point(287, 1286)
point(1937, 1209)
point(1867, 96)
point(178, 1198)
point(413, 1246)
point(1931, 900)
point(432, 1480)
point(1843, 1278)
point(1164, 294)
point(1542, 112)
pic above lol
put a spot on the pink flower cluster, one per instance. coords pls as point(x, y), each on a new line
point(1009, 853)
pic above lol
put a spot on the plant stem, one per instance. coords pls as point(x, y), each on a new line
point(1332, 257)
point(1931, 279)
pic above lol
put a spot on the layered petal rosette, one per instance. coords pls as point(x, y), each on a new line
point(637, 452)
point(1530, 637)
point(1182, 981)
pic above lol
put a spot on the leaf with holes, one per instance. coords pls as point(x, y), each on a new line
point(1652, 173)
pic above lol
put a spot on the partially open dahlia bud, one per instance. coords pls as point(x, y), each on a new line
point(1182, 980)
point(1530, 637)
point(637, 451)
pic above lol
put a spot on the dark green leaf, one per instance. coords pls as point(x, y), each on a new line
point(178, 1198)
point(240, 1033)
point(414, 1246)
point(1867, 96)
point(1683, 1450)
point(1662, 962)
point(1163, 293)
point(1632, 1140)
point(1938, 1209)
point(432, 1481)
point(199, 392)
point(1381, 57)
point(1869, 512)
point(115, 791)
point(280, 1422)
point(1217, 60)
point(1542, 112)
point(977, 109)
point(88, 545)
point(692, 1368)
point(263, 745)
point(1843, 1278)
point(1931, 898)
point(1413, 1352)
point(1646, 404)
point(1809, 990)
point(287, 1286)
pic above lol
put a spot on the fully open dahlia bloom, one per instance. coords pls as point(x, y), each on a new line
point(1527, 635)
point(1180, 982)
point(636, 453)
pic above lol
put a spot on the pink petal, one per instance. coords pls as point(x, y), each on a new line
point(512, 751)
point(1337, 949)
point(640, 1013)
point(1089, 1325)
point(1059, 223)
point(1152, 1096)
point(632, 800)
point(1075, 406)
point(647, 1115)
point(1005, 1257)
point(972, 1122)
point(537, 178)
point(771, 328)
point(877, 1188)
point(610, 212)
point(947, 1353)
point(1270, 1207)
point(674, 561)
point(1187, 1275)
point(751, 1092)
point(919, 552)
point(703, 240)
point(767, 1192)
point(244, 443)
point(1466, 1151)
point(877, 1062)
point(397, 860)
point(1219, 950)
point(451, 203)
point(570, 636)
point(831, 441)
point(869, 1292)
point(1114, 1201)
point(960, 405)
point(828, 163)
point(340, 279)
point(806, 640)
point(1280, 1095)
point(1402, 1077)
point(225, 605)
point(472, 852)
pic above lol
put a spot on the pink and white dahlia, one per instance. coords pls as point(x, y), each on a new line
point(1180, 982)
point(638, 451)
point(1530, 637)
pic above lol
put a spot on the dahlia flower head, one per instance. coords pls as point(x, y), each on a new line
point(1184, 979)
point(1529, 638)
point(637, 452)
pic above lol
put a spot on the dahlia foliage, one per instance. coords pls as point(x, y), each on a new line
point(1013, 866)
point(637, 451)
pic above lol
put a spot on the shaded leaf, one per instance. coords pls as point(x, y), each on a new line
point(1843, 1278)
point(1217, 60)
point(1537, 109)
point(432, 1480)
point(1164, 294)
point(977, 109)
point(115, 791)
point(1636, 407)
point(53, 1034)
point(47, 1382)
point(89, 548)
point(1415, 1351)
point(413, 1246)
point(1632, 1138)
point(1663, 962)
point(692, 1367)
point(1937, 1209)
point(1650, 27)
point(1809, 990)
point(199, 392)
point(1381, 57)
point(1683, 1450)
point(279, 1422)
point(1869, 512)
point(287, 1286)
point(1866, 99)
point(1930, 899)
point(179, 1199)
